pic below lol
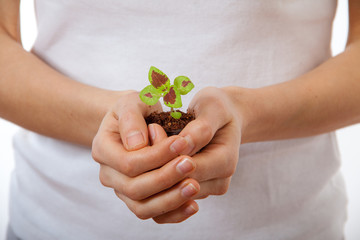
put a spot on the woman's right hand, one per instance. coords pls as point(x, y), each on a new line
point(150, 176)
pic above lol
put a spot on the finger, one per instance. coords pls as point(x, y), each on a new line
point(211, 114)
point(214, 162)
point(107, 149)
point(213, 187)
point(150, 183)
point(180, 214)
point(218, 159)
point(132, 126)
point(163, 202)
point(156, 133)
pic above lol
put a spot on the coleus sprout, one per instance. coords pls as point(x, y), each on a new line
point(160, 87)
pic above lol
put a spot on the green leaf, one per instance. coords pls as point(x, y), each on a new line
point(183, 84)
point(159, 79)
point(149, 95)
point(172, 98)
point(176, 115)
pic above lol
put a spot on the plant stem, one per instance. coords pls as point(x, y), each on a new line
point(172, 109)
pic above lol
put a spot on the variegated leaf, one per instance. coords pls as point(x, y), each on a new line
point(173, 98)
point(159, 79)
point(149, 95)
point(184, 84)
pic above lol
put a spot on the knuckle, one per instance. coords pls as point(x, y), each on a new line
point(139, 211)
point(131, 192)
point(104, 178)
point(163, 179)
point(219, 103)
point(206, 130)
point(222, 107)
point(230, 161)
point(223, 188)
point(136, 207)
point(212, 94)
point(229, 170)
point(126, 166)
point(233, 162)
point(95, 154)
point(96, 149)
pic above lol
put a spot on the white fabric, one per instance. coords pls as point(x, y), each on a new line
point(281, 190)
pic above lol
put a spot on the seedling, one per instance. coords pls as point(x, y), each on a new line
point(160, 87)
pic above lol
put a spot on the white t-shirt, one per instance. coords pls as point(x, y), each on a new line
point(281, 190)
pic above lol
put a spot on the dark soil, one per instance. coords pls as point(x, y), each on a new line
point(171, 125)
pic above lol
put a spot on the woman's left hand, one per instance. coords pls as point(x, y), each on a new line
point(215, 136)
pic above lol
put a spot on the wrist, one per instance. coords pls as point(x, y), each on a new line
point(96, 103)
point(243, 100)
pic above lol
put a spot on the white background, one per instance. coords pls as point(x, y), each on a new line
point(349, 138)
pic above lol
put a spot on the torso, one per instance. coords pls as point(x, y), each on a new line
point(281, 190)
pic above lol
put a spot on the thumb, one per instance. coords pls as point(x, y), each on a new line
point(130, 112)
point(156, 133)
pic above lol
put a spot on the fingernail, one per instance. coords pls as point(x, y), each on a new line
point(189, 190)
point(134, 139)
point(179, 145)
point(190, 210)
point(152, 132)
point(185, 166)
point(190, 145)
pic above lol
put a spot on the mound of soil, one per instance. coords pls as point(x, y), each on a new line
point(171, 125)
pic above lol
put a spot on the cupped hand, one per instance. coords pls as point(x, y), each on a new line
point(148, 175)
point(215, 137)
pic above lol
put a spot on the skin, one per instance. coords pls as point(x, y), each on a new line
point(37, 97)
point(159, 177)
